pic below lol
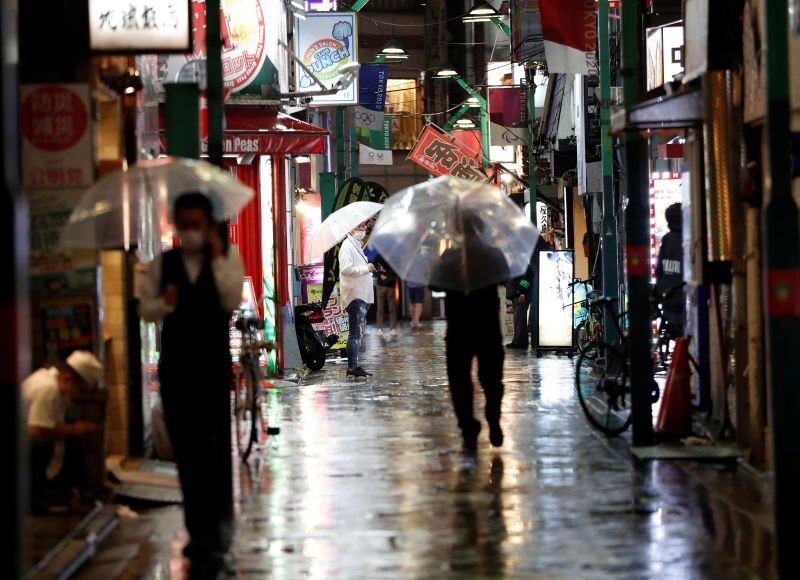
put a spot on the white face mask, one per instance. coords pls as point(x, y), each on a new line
point(359, 234)
point(191, 240)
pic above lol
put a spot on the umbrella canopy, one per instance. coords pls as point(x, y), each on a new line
point(454, 234)
point(340, 223)
point(125, 207)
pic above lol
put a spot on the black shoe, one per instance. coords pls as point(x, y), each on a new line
point(356, 373)
point(515, 345)
point(495, 434)
point(367, 373)
point(470, 436)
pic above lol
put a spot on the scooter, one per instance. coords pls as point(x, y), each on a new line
point(313, 343)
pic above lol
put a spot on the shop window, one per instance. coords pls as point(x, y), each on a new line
point(403, 104)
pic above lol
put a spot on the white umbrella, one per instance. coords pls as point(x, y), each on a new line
point(125, 207)
point(340, 223)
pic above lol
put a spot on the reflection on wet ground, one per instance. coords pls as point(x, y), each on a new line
point(368, 480)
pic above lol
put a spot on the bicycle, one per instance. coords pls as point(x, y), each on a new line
point(591, 327)
point(250, 412)
point(603, 380)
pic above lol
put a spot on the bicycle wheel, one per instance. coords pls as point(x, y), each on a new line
point(604, 389)
point(248, 412)
point(583, 339)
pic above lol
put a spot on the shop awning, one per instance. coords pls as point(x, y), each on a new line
point(255, 130)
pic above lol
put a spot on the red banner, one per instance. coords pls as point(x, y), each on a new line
point(569, 30)
point(441, 154)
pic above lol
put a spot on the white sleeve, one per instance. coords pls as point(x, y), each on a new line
point(152, 306)
point(44, 410)
point(229, 276)
point(347, 262)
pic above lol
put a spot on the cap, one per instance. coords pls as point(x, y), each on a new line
point(87, 366)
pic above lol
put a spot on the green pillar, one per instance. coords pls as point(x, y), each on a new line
point(451, 122)
point(531, 141)
point(782, 292)
point(609, 223)
point(327, 189)
point(637, 223)
point(182, 119)
point(340, 148)
point(214, 89)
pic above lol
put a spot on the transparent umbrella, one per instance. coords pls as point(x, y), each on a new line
point(341, 222)
point(125, 208)
point(454, 234)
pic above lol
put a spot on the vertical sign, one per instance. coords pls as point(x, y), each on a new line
point(325, 42)
point(369, 117)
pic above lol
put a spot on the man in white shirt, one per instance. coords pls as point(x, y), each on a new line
point(48, 394)
point(193, 290)
point(355, 285)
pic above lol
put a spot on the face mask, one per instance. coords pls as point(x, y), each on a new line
point(191, 240)
point(359, 235)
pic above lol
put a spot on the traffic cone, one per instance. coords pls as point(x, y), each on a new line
point(675, 415)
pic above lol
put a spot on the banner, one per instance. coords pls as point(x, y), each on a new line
point(440, 154)
point(508, 116)
point(325, 42)
point(569, 29)
point(374, 129)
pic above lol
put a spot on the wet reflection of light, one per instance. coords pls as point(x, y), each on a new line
point(556, 379)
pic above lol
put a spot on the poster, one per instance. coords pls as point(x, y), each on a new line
point(56, 136)
point(336, 319)
point(440, 154)
point(67, 327)
point(556, 298)
point(325, 42)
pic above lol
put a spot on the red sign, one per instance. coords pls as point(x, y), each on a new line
point(636, 258)
point(441, 154)
point(56, 140)
point(783, 287)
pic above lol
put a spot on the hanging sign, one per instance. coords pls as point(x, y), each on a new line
point(56, 140)
point(440, 154)
point(139, 26)
point(325, 42)
point(373, 127)
point(569, 30)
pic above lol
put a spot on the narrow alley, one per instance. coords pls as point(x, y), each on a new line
point(368, 480)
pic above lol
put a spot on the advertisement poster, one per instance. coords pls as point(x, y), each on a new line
point(555, 298)
point(326, 42)
point(336, 319)
point(309, 217)
point(56, 136)
point(440, 154)
point(66, 328)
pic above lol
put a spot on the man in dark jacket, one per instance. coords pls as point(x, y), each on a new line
point(519, 291)
point(669, 270)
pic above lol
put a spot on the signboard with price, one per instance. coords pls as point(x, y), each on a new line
point(56, 140)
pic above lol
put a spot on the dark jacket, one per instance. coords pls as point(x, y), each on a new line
point(520, 286)
point(384, 275)
point(669, 268)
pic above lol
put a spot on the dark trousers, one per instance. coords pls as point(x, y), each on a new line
point(70, 476)
point(462, 347)
point(357, 318)
point(521, 323)
point(197, 414)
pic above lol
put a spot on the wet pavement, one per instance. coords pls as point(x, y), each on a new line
point(368, 480)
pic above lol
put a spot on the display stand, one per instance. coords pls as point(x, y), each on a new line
point(554, 300)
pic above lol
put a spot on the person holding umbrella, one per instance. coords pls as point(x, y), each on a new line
point(355, 284)
point(193, 290)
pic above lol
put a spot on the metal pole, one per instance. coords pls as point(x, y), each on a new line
point(353, 150)
point(340, 149)
point(637, 222)
point(14, 341)
point(214, 90)
point(782, 292)
point(531, 141)
point(609, 223)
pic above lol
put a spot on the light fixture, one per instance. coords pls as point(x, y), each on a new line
point(130, 82)
point(481, 12)
point(465, 124)
point(474, 103)
point(393, 50)
point(446, 72)
point(302, 159)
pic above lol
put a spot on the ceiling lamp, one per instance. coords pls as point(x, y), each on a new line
point(481, 12)
point(446, 72)
point(393, 50)
point(473, 102)
point(465, 124)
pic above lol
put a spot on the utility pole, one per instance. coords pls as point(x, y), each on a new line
point(637, 222)
point(214, 87)
point(782, 292)
point(609, 223)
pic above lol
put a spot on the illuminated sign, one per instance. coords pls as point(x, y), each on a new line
point(139, 26)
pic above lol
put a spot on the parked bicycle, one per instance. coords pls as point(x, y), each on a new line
point(250, 408)
point(590, 325)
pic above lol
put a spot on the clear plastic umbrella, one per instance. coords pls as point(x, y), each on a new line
point(454, 234)
point(126, 207)
point(341, 222)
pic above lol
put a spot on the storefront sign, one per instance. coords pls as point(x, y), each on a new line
point(139, 26)
point(569, 29)
point(56, 140)
point(325, 42)
point(440, 154)
point(555, 298)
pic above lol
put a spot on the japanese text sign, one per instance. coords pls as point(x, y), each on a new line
point(440, 154)
point(139, 25)
point(56, 140)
